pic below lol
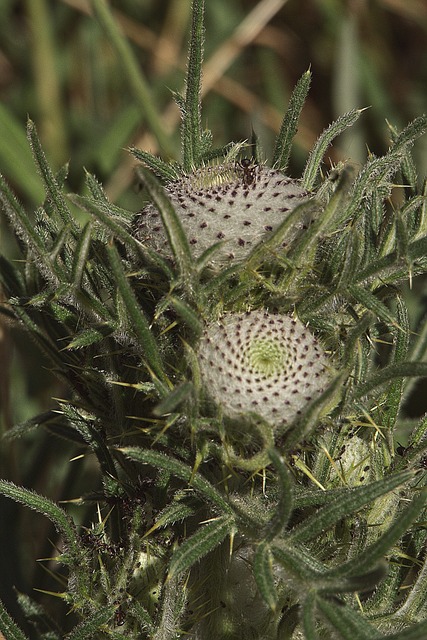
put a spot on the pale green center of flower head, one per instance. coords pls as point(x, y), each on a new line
point(266, 356)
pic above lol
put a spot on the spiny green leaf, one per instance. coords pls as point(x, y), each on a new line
point(45, 344)
point(92, 624)
point(359, 583)
point(102, 211)
point(8, 628)
point(353, 500)
point(191, 125)
point(172, 607)
point(207, 538)
point(187, 314)
point(325, 140)
point(391, 372)
point(349, 623)
point(180, 470)
point(15, 155)
point(86, 427)
point(53, 191)
point(263, 575)
point(95, 187)
point(390, 269)
point(265, 248)
point(81, 255)
point(164, 170)
point(372, 303)
point(172, 401)
point(410, 133)
point(90, 336)
point(377, 550)
point(401, 343)
point(18, 217)
point(421, 228)
point(415, 632)
point(298, 562)
point(20, 430)
point(175, 233)
point(46, 507)
point(180, 509)
point(140, 325)
point(308, 618)
point(284, 506)
point(288, 129)
point(142, 615)
point(323, 222)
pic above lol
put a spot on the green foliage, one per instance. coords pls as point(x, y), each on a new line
point(204, 526)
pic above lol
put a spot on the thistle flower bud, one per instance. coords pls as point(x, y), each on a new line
point(268, 364)
point(236, 203)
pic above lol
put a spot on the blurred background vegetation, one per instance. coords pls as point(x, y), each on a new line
point(92, 94)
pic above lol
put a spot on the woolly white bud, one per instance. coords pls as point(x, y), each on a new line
point(236, 203)
point(264, 363)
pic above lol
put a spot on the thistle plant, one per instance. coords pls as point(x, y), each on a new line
point(238, 356)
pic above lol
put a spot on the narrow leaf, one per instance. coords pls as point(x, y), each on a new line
point(308, 618)
point(172, 608)
point(372, 303)
point(415, 632)
point(391, 372)
point(53, 191)
point(191, 125)
point(175, 233)
point(344, 505)
point(325, 140)
point(285, 503)
point(298, 562)
point(172, 401)
point(178, 511)
point(142, 615)
point(81, 255)
point(400, 352)
point(323, 221)
point(410, 133)
point(62, 522)
point(92, 624)
point(180, 470)
point(266, 248)
point(206, 539)
point(361, 583)
point(8, 627)
point(90, 336)
point(288, 129)
point(263, 575)
point(377, 550)
point(187, 315)
point(11, 278)
point(18, 217)
point(390, 269)
point(164, 170)
point(139, 323)
point(349, 623)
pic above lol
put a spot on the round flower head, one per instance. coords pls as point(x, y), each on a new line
point(237, 204)
point(263, 363)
